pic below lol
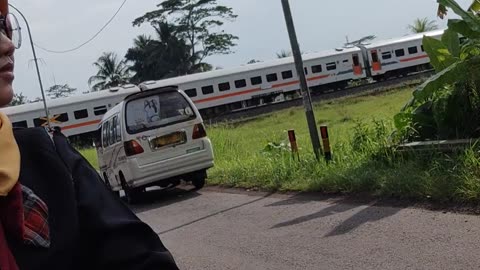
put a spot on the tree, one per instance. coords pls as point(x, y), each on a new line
point(154, 59)
point(284, 54)
point(447, 106)
point(195, 22)
point(18, 99)
point(112, 72)
point(422, 25)
point(59, 91)
point(442, 9)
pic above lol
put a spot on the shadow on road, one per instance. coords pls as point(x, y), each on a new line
point(338, 207)
point(373, 213)
point(154, 199)
point(215, 214)
point(303, 198)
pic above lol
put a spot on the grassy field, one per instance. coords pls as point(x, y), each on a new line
point(255, 154)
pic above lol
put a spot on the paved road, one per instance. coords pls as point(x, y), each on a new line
point(215, 230)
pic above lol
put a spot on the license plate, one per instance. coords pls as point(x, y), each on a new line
point(169, 140)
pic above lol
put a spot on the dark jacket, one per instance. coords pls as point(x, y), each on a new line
point(90, 228)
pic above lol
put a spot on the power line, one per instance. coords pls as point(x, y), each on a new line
point(89, 40)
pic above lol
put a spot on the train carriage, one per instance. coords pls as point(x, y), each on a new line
point(223, 91)
point(74, 115)
point(399, 57)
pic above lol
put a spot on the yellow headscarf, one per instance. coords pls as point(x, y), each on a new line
point(9, 157)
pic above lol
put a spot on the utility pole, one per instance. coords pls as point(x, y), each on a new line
point(307, 99)
point(36, 65)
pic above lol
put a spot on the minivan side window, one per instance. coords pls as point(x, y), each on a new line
point(118, 130)
point(105, 132)
point(112, 135)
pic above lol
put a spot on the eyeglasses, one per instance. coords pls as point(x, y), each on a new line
point(10, 27)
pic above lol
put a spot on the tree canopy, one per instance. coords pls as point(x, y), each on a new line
point(112, 72)
point(197, 23)
point(421, 25)
point(59, 91)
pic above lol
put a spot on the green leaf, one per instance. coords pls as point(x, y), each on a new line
point(402, 120)
point(463, 29)
point(451, 40)
point(440, 56)
point(471, 19)
point(451, 75)
point(475, 7)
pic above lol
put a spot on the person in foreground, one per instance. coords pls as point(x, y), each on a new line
point(55, 212)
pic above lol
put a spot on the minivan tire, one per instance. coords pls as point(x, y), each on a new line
point(109, 187)
point(199, 180)
point(131, 195)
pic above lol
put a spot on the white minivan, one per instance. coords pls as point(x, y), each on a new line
point(155, 137)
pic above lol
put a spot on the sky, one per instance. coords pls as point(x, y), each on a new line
point(320, 24)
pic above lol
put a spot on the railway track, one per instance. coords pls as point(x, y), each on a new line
point(362, 90)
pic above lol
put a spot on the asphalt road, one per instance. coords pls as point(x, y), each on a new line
point(218, 230)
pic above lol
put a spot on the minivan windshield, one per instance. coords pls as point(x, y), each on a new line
point(156, 111)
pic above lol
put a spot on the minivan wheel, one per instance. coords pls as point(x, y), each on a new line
point(130, 194)
point(109, 186)
point(199, 180)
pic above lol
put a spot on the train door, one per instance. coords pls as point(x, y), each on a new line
point(376, 65)
point(357, 66)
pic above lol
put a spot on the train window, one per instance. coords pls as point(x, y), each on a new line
point(317, 69)
point(100, 110)
point(81, 114)
point(191, 92)
point(356, 60)
point(306, 71)
point(374, 57)
point(422, 48)
point(331, 66)
point(39, 122)
point(287, 74)
point(20, 124)
point(57, 119)
point(345, 61)
point(413, 50)
point(256, 80)
point(386, 55)
point(240, 83)
point(399, 52)
point(61, 117)
point(224, 86)
point(272, 77)
point(207, 90)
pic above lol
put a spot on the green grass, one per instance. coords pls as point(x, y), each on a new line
point(255, 154)
point(91, 156)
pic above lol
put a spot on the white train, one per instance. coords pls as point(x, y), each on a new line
point(252, 85)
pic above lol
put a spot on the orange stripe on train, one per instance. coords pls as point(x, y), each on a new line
point(414, 58)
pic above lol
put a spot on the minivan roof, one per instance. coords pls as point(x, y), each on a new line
point(146, 91)
point(115, 110)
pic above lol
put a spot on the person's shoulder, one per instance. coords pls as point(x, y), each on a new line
point(32, 136)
